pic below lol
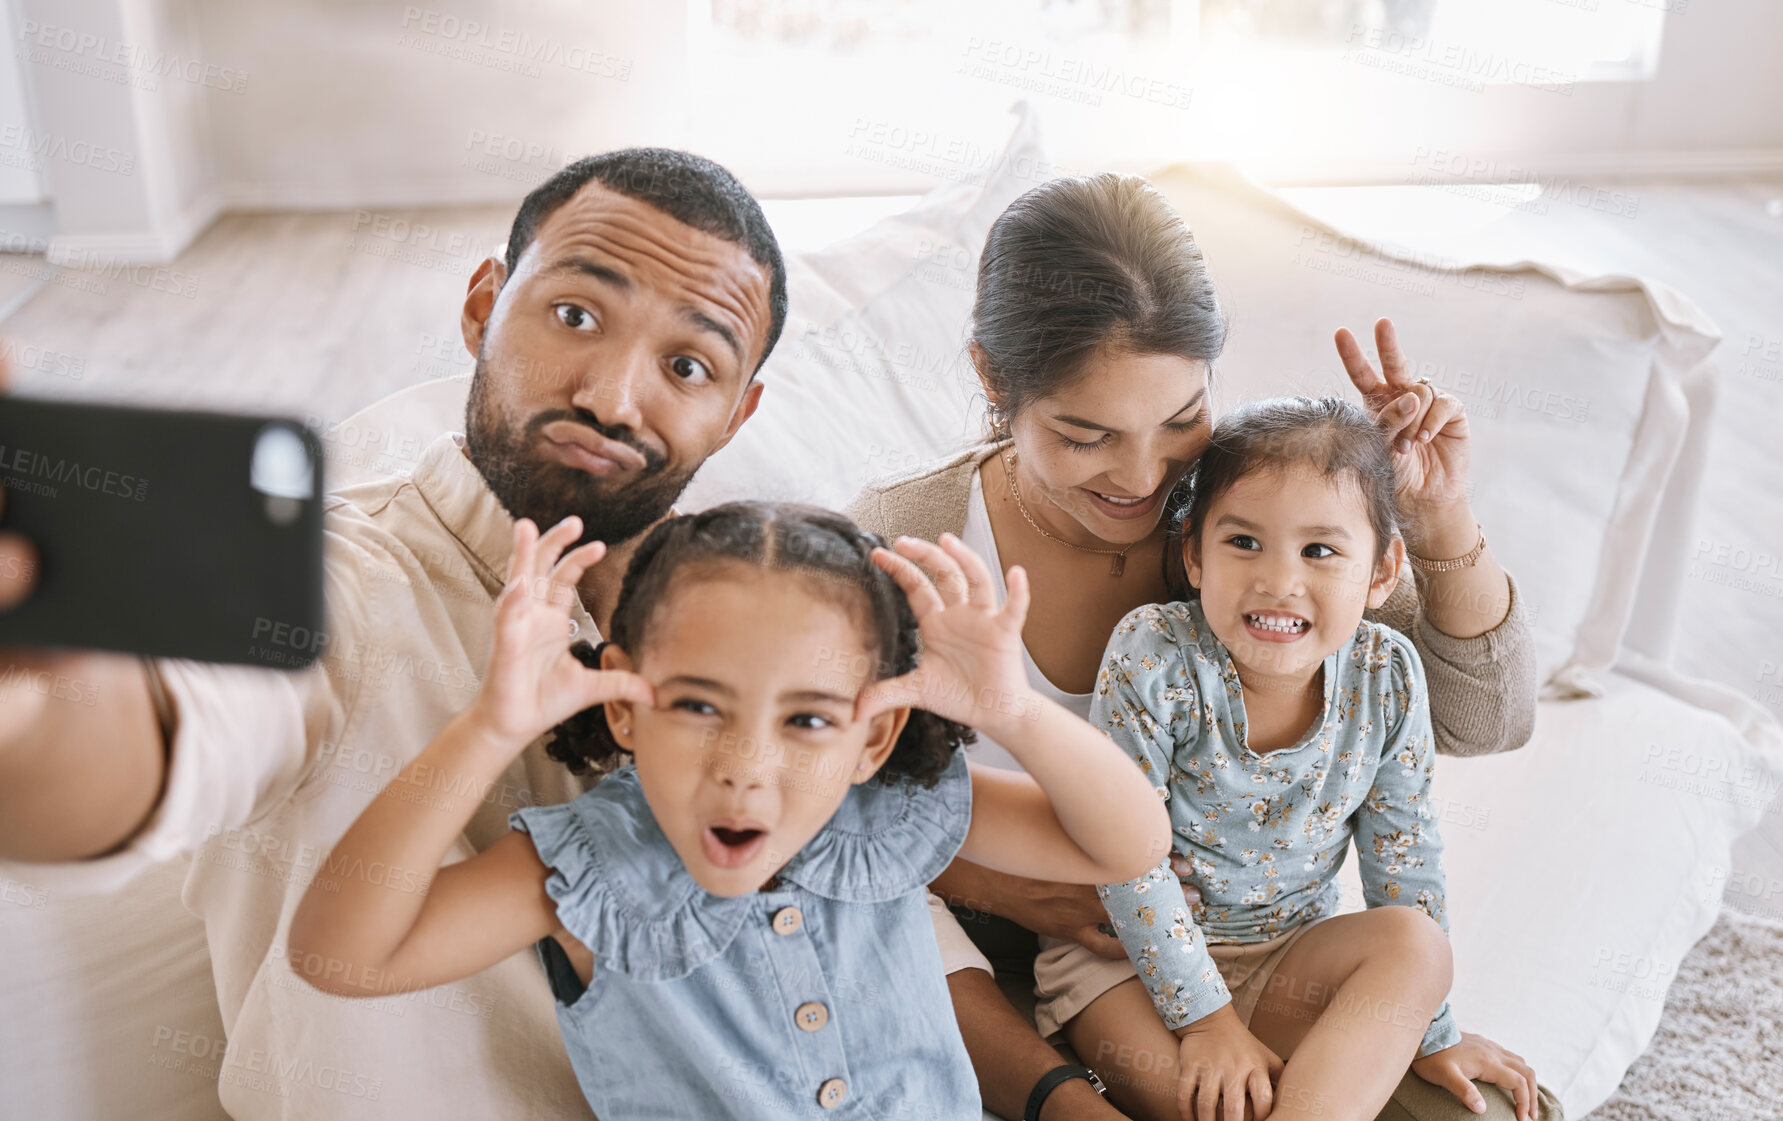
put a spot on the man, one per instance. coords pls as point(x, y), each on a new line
point(617, 345)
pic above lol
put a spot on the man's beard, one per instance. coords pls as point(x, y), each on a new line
point(530, 484)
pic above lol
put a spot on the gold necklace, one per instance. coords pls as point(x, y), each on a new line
point(1120, 555)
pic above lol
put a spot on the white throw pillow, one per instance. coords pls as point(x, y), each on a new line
point(871, 376)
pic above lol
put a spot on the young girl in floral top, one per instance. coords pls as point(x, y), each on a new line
point(735, 923)
point(1276, 725)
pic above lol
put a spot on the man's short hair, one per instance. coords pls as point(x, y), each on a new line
point(688, 188)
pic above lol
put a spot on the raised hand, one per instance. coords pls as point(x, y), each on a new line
point(1426, 427)
point(971, 669)
point(533, 681)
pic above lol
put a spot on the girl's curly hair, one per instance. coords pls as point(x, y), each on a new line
point(823, 545)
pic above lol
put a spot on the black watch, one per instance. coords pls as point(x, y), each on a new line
point(1051, 1081)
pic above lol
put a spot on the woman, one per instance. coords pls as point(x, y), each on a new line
point(1094, 333)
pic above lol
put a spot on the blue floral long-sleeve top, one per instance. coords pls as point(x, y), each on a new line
point(1267, 833)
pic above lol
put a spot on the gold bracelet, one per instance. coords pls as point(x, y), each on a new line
point(1464, 561)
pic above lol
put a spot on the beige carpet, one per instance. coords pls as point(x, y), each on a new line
point(1718, 1055)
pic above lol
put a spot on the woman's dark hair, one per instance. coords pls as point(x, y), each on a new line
point(1330, 434)
point(1078, 265)
point(837, 556)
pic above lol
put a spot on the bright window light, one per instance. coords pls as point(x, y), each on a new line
point(847, 97)
point(1491, 41)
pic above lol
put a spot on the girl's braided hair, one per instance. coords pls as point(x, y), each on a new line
point(826, 547)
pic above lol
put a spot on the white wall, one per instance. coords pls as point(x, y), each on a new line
point(1720, 81)
point(173, 123)
point(375, 103)
point(20, 182)
point(353, 104)
point(1715, 106)
point(119, 90)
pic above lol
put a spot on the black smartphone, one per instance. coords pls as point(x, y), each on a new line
point(165, 533)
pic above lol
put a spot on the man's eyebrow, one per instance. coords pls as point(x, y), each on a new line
point(700, 683)
point(600, 272)
point(1079, 422)
point(613, 277)
point(706, 323)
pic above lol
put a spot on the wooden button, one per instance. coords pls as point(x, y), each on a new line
point(810, 1016)
point(831, 1093)
point(788, 920)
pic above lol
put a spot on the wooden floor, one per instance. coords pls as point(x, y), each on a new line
point(317, 314)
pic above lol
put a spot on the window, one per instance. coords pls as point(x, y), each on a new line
point(1493, 41)
point(857, 97)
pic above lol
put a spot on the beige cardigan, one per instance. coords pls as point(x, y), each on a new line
point(1482, 690)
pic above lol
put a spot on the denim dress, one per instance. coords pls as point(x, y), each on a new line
point(821, 995)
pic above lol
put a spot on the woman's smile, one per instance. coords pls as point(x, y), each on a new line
point(1123, 506)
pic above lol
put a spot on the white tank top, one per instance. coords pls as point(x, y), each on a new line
point(979, 539)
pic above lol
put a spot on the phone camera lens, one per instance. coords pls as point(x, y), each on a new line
point(283, 472)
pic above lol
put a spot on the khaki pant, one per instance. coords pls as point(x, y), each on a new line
point(1067, 978)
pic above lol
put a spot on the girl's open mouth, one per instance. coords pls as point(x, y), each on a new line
point(1275, 626)
point(731, 848)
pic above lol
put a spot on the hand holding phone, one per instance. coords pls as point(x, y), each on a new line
point(76, 779)
point(21, 671)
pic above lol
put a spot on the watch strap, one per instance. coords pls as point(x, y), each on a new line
point(1051, 1081)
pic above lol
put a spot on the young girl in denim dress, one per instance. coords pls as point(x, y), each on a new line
point(735, 922)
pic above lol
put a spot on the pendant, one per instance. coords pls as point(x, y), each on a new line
point(1119, 566)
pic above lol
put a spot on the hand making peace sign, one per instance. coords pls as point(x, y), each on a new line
point(1426, 426)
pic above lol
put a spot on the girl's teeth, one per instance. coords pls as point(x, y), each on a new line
point(1276, 623)
point(1118, 501)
